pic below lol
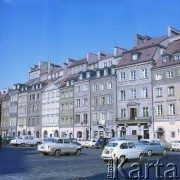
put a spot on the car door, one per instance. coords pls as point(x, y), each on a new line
point(133, 152)
point(69, 147)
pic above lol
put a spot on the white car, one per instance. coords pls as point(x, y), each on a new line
point(25, 140)
point(175, 145)
point(122, 150)
point(90, 143)
point(60, 146)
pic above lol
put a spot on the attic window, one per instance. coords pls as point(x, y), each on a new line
point(67, 83)
point(105, 72)
point(112, 71)
point(177, 56)
point(98, 73)
point(80, 76)
point(72, 82)
point(165, 58)
point(134, 57)
point(88, 75)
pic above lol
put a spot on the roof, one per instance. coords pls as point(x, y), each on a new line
point(151, 42)
point(170, 50)
point(63, 81)
point(145, 55)
point(78, 62)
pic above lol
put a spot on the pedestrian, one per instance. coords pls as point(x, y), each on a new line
point(0, 141)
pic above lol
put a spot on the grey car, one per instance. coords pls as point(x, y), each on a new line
point(151, 147)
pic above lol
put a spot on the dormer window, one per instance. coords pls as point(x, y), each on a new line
point(98, 73)
point(105, 72)
point(80, 76)
point(112, 71)
point(67, 83)
point(134, 57)
point(88, 75)
point(72, 82)
point(105, 64)
point(165, 58)
point(177, 56)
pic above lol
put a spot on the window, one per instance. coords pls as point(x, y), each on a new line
point(159, 110)
point(102, 116)
point(105, 64)
point(94, 87)
point(110, 115)
point(133, 75)
point(158, 76)
point(170, 91)
point(123, 113)
point(134, 57)
point(78, 102)
point(123, 95)
point(105, 72)
point(95, 116)
point(171, 109)
point(170, 74)
point(88, 75)
point(159, 92)
point(85, 118)
point(102, 86)
point(80, 76)
point(177, 56)
point(85, 102)
point(145, 93)
point(109, 85)
point(95, 101)
point(102, 100)
point(98, 73)
point(85, 87)
point(109, 99)
point(78, 88)
point(144, 73)
point(122, 76)
point(77, 118)
point(110, 63)
point(145, 112)
point(173, 134)
point(165, 59)
point(133, 93)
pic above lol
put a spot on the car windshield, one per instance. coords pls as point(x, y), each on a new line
point(143, 142)
point(111, 144)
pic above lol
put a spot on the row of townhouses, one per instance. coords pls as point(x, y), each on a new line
point(128, 92)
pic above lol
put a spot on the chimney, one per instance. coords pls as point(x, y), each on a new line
point(118, 51)
point(91, 57)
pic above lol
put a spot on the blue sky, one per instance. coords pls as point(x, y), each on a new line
point(53, 30)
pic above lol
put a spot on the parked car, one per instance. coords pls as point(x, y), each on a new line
point(101, 142)
point(118, 139)
point(175, 145)
point(48, 139)
point(25, 140)
point(165, 143)
point(6, 139)
point(60, 146)
point(151, 147)
point(123, 150)
point(90, 143)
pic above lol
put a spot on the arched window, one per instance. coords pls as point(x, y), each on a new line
point(123, 132)
point(45, 134)
point(79, 134)
point(160, 133)
point(56, 133)
point(37, 134)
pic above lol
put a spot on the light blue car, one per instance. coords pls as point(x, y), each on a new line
point(151, 147)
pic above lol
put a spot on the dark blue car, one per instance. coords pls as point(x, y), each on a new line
point(101, 142)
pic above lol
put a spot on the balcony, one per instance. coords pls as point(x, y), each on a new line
point(136, 121)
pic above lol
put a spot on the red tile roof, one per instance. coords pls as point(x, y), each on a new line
point(78, 62)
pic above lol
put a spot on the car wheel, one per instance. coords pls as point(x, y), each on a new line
point(38, 143)
point(141, 157)
point(122, 159)
point(164, 152)
point(78, 152)
point(45, 154)
point(58, 152)
point(149, 153)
